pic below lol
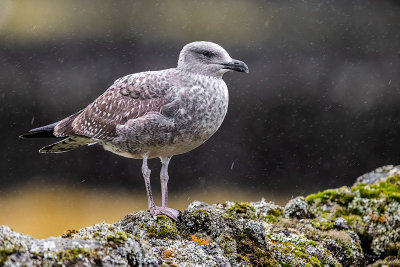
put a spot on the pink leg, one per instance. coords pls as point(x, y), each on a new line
point(146, 175)
point(154, 210)
point(164, 180)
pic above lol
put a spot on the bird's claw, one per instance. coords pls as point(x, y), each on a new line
point(171, 213)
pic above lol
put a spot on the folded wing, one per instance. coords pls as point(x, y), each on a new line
point(126, 99)
point(121, 102)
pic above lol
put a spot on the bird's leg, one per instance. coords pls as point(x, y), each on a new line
point(164, 180)
point(146, 175)
point(154, 210)
point(172, 213)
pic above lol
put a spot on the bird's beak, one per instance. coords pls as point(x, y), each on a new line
point(236, 65)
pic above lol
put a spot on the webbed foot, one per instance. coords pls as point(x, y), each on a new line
point(171, 213)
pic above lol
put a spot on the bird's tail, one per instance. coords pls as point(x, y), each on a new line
point(64, 129)
point(41, 132)
point(67, 144)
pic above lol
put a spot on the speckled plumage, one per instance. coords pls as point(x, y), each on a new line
point(162, 113)
point(155, 113)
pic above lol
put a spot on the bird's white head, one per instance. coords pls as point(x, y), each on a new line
point(209, 59)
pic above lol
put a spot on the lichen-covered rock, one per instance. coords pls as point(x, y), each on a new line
point(380, 173)
point(101, 244)
point(341, 224)
point(341, 227)
point(298, 208)
point(237, 234)
point(372, 210)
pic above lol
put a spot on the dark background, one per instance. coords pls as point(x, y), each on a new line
point(319, 107)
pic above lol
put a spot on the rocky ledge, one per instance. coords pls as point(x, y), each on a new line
point(357, 226)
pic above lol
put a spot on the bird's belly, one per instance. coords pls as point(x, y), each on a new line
point(158, 140)
point(154, 151)
point(174, 149)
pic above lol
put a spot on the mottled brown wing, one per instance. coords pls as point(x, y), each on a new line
point(115, 107)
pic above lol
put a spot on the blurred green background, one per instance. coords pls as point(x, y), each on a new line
point(318, 108)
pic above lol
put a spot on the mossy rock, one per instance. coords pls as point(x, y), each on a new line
point(371, 210)
point(162, 228)
point(242, 210)
point(348, 226)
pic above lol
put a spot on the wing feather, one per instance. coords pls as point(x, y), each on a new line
point(129, 98)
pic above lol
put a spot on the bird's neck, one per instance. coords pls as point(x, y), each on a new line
point(198, 75)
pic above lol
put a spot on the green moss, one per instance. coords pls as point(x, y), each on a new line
point(349, 252)
point(259, 257)
point(69, 233)
point(119, 238)
point(323, 224)
point(340, 196)
point(243, 258)
point(76, 251)
point(227, 243)
point(71, 256)
point(390, 261)
point(163, 228)
point(242, 209)
point(285, 249)
point(200, 221)
point(250, 249)
point(271, 219)
point(388, 189)
point(367, 193)
point(74, 255)
point(4, 253)
point(278, 253)
point(275, 212)
point(351, 219)
point(385, 186)
point(362, 206)
point(112, 239)
point(309, 260)
point(273, 215)
point(394, 196)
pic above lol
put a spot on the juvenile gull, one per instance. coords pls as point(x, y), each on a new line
point(153, 114)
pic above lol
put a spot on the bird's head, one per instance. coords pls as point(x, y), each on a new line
point(209, 59)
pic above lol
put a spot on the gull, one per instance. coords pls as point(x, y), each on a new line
point(153, 114)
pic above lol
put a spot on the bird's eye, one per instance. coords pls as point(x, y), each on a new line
point(207, 53)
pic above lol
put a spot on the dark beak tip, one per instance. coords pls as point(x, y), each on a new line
point(237, 65)
point(244, 68)
point(240, 66)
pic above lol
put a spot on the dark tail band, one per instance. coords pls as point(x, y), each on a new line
point(41, 132)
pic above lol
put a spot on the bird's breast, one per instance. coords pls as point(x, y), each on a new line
point(202, 107)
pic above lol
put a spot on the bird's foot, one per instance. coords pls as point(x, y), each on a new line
point(171, 213)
